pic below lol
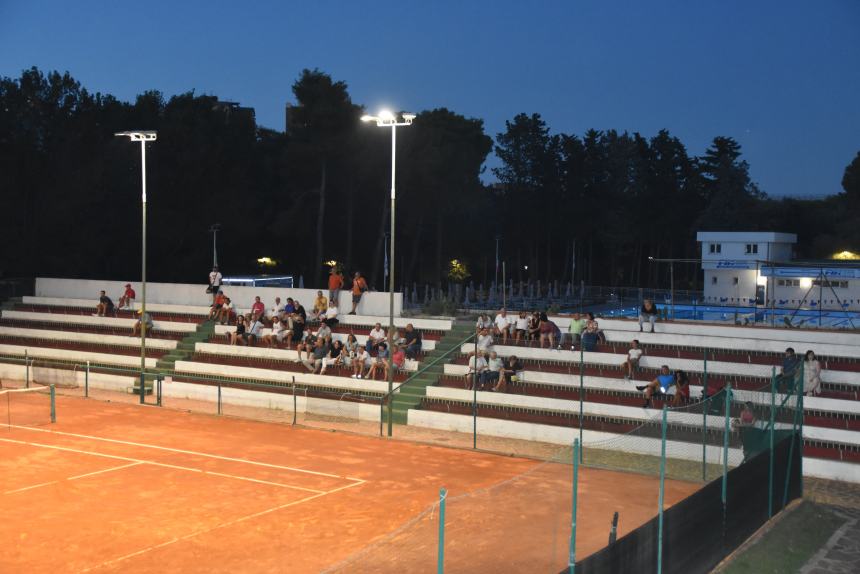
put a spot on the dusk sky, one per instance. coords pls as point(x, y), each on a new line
point(781, 77)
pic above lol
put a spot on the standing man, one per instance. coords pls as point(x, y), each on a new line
point(359, 286)
point(335, 283)
point(215, 279)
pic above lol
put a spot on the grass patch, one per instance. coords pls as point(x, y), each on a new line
point(789, 544)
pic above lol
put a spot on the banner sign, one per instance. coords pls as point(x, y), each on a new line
point(811, 272)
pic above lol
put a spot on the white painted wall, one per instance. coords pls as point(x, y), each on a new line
point(372, 303)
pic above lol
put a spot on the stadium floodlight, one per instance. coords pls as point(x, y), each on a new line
point(387, 119)
point(142, 136)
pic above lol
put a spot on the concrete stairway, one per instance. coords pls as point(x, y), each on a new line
point(184, 349)
point(414, 389)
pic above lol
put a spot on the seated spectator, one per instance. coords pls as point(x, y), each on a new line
point(791, 365)
point(335, 357)
point(127, 297)
point(682, 386)
point(746, 418)
point(664, 385)
point(592, 326)
point(811, 374)
point(412, 341)
point(225, 313)
point(316, 356)
point(483, 322)
point(575, 329)
point(495, 365)
point(255, 330)
point(380, 362)
point(649, 313)
point(510, 374)
point(534, 326)
point(324, 333)
point(634, 353)
point(398, 358)
point(375, 338)
point(296, 333)
point(105, 305)
point(217, 303)
point(257, 309)
point(275, 310)
point(477, 367)
point(485, 341)
point(278, 334)
point(320, 306)
point(307, 345)
point(330, 318)
point(239, 334)
point(335, 284)
point(502, 325)
point(290, 307)
point(548, 331)
point(350, 349)
point(360, 362)
point(146, 320)
point(521, 326)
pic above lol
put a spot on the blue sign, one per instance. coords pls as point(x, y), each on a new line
point(812, 272)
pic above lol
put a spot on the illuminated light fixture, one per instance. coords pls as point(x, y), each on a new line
point(332, 263)
point(805, 282)
point(761, 280)
point(846, 255)
point(267, 261)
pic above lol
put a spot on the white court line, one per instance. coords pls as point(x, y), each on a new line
point(217, 526)
point(189, 452)
point(31, 487)
point(151, 462)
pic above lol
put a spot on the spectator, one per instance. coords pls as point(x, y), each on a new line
point(215, 279)
point(634, 353)
point(127, 297)
point(316, 356)
point(521, 327)
point(335, 284)
point(105, 305)
point(226, 311)
point(791, 366)
point(548, 331)
point(297, 331)
point(746, 418)
point(217, 303)
point(335, 356)
point(360, 362)
point(359, 286)
point(279, 332)
point(351, 349)
point(381, 362)
point(307, 345)
point(477, 368)
point(257, 309)
point(320, 306)
point(290, 307)
point(592, 326)
point(494, 367)
point(324, 332)
point(577, 325)
point(534, 326)
point(483, 322)
point(485, 341)
point(664, 385)
point(682, 386)
point(649, 313)
point(398, 358)
point(412, 341)
point(502, 325)
point(375, 338)
point(145, 320)
point(255, 330)
point(275, 310)
point(811, 374)
point(330, 318)
point(239, 333)
point(509, 375)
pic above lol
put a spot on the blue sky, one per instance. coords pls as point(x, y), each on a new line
point(781, 77)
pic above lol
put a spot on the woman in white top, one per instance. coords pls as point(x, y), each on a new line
point(811, 374)
point(330, 317)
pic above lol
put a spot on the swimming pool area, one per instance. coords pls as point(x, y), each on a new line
point(746, 315)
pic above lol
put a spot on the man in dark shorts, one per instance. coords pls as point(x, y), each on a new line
point(105, 306)
point(359, 286)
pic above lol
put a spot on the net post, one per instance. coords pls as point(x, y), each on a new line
point(770, 440)
point(158, 381)
point(53, 404)
point(296, 404)
point(26, 370)
point(705, 405)
point(440, 560)
point(571, 562)
point(142, 386)
point(662, 491)
point(87, 381)
point(219, 397)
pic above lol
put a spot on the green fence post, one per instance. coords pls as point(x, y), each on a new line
point(219, 397)
point(800, 429)
point(581, 393)
point(87, 381)
point(26, 370)
point(440, 560)
point(770, 438)
point(142, 386)
point(662, 490)
point(475, 398)
point(798, 405)
point(53, 404)
point(571, 562)
point(296, 406)
point(705, 416)
point(728, 403)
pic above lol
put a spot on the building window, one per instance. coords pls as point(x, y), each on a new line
point(714, 280)
point(752, 248)
point(788, 283)
point(734, 280)
point(831, 283)
point(716, 248)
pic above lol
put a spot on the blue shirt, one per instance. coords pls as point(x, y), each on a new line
point(666, 381)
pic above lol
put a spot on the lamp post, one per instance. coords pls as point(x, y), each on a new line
point(142, 137)
point(214, 229)
point(383, 120)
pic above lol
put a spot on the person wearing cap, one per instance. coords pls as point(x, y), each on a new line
point(141, 318)
point(127, 298)
point(215, 279)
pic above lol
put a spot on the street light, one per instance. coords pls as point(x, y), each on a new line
point(383, 120)
point(142, 137)
point(214, 229)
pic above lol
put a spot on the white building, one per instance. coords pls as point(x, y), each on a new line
point(754, 267)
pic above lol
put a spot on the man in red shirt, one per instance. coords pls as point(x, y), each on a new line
point(335, 284)
point(215, 310)
point(257, 309)
point(127, 297)
point(359, 286)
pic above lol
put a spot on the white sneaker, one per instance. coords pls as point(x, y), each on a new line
point(359, 376)
point(353, 376)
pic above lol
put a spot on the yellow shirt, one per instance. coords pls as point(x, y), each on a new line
point(320, 304)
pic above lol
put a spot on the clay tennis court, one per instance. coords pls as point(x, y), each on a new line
point(115, 487)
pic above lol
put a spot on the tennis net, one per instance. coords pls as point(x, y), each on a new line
point(30, 406)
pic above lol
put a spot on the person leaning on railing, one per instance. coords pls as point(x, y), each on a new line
point(649, 313)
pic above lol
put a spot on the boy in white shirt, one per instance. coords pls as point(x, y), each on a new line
point(522, 325)
point(502, 325)
point(632, 362)
point(477, 364)
point(279, 331)
point(485, 341)
point(375, 337)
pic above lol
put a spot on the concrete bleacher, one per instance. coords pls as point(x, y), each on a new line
point(224, 330)
point(89, 320)
point(200, 311)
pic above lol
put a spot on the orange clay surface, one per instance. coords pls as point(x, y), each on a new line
point(122, 488)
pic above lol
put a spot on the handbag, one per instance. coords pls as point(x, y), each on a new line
point(210, 289)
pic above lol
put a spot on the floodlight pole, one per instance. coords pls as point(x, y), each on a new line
point(142, 137)
point(387, 119)
point(214, 230)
